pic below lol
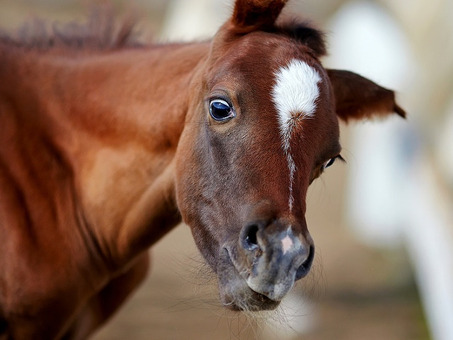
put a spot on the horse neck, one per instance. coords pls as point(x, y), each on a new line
point(117, 119)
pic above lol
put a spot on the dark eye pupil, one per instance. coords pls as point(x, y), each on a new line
point(329, 163)
point(220, 110)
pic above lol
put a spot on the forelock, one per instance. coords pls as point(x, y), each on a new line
point(306, 34)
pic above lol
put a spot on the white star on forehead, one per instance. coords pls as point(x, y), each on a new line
point(295, 91)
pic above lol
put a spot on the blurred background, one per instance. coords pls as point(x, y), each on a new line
point(382, 223)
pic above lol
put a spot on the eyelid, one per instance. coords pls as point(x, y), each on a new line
point(220, 100)
point(221, 95)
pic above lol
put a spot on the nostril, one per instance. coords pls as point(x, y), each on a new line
point(305, 267)
point(249, 237)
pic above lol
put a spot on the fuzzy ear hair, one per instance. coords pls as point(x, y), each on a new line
point(250, 15)
point(359, 98)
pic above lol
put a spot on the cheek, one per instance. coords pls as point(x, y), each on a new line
point(186, 179)
point(199, 185)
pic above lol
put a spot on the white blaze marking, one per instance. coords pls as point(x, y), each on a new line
point(295, 93)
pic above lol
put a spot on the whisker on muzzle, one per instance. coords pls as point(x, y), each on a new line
point(293, 317)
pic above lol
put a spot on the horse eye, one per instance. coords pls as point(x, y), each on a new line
point(331, 161)
point(220, 110)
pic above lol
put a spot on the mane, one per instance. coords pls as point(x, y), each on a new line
point(102, 31)
point(305, 33)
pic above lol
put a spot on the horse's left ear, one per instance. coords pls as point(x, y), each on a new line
point(250, 15)
point(359, 98)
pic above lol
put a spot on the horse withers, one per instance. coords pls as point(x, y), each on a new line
point(106, 145)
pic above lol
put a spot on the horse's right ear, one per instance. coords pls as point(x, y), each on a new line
point(250, 15)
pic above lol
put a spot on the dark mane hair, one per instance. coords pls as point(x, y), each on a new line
point(102, 31)
point(305, 33)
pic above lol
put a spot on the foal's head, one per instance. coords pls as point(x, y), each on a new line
point(262, 125)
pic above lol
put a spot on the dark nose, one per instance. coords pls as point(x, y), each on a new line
point(276, 254)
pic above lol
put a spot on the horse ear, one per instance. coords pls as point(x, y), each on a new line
point(250, 15)
point(359, 98)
